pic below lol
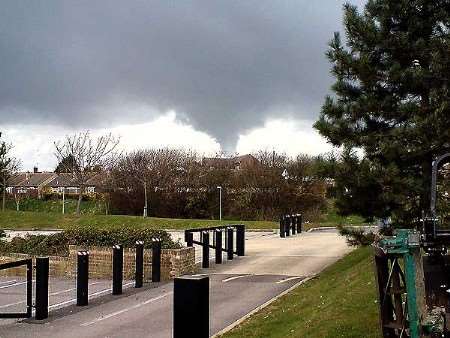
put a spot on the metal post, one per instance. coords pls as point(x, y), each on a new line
point(230, 244)
point(220, 202)
point(294, 224)
point(240, 239)
point(82, 278)
point(189, 238)
point(219, 246)
point(191, 307)
point(156, 261)
point(42, 267)
point(139, 271)
point(287, 225)
point(63, 200)
point(205, 250)
point(117, 269)
point(29, 287)
point(299, 223)
point(282, 232)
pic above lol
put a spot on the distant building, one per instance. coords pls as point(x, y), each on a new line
point(232, 163)
point(36, 183)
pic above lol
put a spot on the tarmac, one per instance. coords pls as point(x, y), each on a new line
point(272, 266)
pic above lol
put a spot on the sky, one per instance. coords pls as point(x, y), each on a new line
point(235, 76)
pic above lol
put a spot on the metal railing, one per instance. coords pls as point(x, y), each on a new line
point(29, 264)
point(217, 231)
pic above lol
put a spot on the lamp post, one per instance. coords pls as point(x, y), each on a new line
point(220, 202)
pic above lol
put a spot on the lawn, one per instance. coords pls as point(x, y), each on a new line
point(341, 302)
point(47, 220)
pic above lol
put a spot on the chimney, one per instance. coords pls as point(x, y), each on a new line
point(35, 170)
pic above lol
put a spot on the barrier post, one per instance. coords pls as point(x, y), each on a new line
point(287, 225)
point(219, 246)
point(82, 278)
point(282, 231)
point(205, 250)
point(240, 239)
point(299, 223)
point(156, 261)
point(139, 271)
point(294, 224)
point(191, 307)
point(42, 266)
point(230, 244)
point(189, 238)
point(117, 269)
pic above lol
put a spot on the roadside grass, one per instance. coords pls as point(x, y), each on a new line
point(27, 220)
point(340, 302)
point(55, 205)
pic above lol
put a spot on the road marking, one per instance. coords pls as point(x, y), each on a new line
point(90, 295)
point(288, 279)
point(15, 284)
point(117, 313)
point(260, 307)
point(226, 280)
point(8, 281)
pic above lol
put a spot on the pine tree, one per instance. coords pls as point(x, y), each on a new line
point(392, 102)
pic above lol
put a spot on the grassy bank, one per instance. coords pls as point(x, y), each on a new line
point(47, 220)
point(341, 302)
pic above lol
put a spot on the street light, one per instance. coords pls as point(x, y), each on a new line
point(220, 202)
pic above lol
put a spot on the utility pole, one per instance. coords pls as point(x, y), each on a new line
point(63, 200)
point(145, 196)
point(220, 202)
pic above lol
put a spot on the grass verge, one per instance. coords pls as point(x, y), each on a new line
point(27, 220)
point(340, 302)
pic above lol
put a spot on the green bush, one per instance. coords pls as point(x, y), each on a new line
point(357, 236)
point(58, 244)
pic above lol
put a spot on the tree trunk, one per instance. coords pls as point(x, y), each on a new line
point(4, 194)
point(80, 196)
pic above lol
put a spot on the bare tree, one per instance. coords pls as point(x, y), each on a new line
point(88, 154)
point(8, 167)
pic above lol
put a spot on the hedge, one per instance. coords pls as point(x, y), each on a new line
point(58, 244)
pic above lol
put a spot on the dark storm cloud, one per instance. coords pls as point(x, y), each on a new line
point(225, 65)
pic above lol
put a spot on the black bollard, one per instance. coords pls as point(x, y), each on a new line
point(156, 261)
point(287, 225)
point(139, 271)
point(189, 238)
point(205, 250)
point(230, 244)
point(240, 239)
point(299, 223)
point(219, 246)
point(294, 224)
point(42, 266)
point(117, 269)
point(282, 231)
point(82, 278)
point(191, 307)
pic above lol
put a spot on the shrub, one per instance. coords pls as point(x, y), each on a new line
point(58, 244)
point(357, 236)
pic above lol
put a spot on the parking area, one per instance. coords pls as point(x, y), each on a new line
point(271, 266)
point(62, 292)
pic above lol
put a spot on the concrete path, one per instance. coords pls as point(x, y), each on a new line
point(272, 265)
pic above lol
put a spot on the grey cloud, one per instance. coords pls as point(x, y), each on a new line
point(225, 65)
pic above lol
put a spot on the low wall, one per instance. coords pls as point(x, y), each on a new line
point(174, 263)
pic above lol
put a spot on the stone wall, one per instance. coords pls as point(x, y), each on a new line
point(174, 263)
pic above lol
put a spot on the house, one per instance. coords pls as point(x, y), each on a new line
point(232, 163)
point(29, 183)
point(36, 183)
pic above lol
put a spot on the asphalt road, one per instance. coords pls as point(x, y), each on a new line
point(271, 266)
